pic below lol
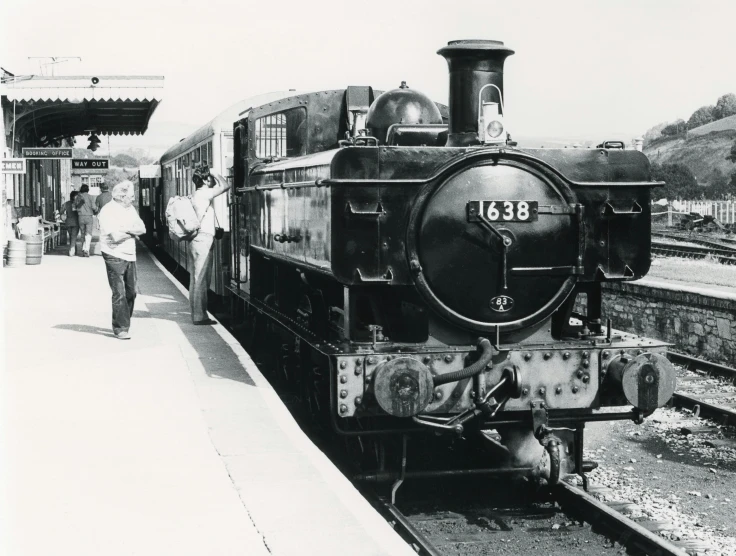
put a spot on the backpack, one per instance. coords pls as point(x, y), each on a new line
point(182, 219)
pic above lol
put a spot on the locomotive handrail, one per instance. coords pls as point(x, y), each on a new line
point(610, 210)
point(387, 277)
point(349, 211)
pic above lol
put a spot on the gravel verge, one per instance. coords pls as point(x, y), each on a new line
point(676, 470)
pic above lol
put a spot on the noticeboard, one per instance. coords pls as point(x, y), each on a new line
point(31, 152)
point(14, 165)
point(90, 163)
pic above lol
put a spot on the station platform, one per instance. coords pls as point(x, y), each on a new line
point(169, 443)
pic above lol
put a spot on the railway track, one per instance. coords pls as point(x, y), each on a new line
point(708, 390)
point(723, 255)
point(556, 521)
point(700, 239)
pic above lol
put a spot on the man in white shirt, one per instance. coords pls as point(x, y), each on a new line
point(120, 225)
point(209, 185)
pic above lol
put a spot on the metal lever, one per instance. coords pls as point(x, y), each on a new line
point(510, 380)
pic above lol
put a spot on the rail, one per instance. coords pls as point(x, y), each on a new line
point(694, 401)
point(616, 526)
point(401, 524)
point(724, 256)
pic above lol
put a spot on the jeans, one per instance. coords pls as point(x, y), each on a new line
point(122, 276)
point(73, 231)
point(199, 265)
point(86, 224)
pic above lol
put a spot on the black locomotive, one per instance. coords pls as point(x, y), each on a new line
point(419, 272)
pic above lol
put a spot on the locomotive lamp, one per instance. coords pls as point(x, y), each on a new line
point(490, 124)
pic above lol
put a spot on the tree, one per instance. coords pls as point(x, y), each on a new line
point(675, 128)
point(719, 186)
point(679, 181)
point(124, 161)
point(701, 116)
point(732, 155)
point(725, 107)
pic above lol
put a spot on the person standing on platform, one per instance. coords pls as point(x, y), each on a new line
point(85, 211)
point(120, 225)
point(72, 223)
point(199, 251)
point(103, 198)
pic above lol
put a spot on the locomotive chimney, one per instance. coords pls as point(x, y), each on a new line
point(476, 66)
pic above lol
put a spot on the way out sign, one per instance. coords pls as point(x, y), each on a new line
point(90, 164)
point(14, 165)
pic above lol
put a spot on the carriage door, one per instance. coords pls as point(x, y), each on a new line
point(240, 209)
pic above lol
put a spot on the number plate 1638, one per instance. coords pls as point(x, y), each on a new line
point(503, 211)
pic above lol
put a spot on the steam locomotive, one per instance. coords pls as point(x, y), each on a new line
point(418, 272)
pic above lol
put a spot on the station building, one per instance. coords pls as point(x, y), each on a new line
point(92, 177)
point(41, 117)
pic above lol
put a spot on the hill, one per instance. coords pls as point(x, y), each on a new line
point(719, 125)
point(702, 154)
point(152, 144)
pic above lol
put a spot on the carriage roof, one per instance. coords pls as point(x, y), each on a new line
point(223, 121)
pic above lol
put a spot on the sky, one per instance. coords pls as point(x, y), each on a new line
point(580, 68)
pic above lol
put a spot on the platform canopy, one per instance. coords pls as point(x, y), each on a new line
point(46, 109)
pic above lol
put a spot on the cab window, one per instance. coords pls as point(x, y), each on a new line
point(282, 135)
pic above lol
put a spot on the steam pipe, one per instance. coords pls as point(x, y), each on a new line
point(485, 358)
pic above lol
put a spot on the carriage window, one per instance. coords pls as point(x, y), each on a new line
point(195, 153)
point(283, 134)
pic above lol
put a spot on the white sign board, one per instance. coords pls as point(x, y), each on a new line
point(14, 165)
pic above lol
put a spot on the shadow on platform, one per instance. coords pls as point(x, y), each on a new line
point(166, 302)
point(87, 329)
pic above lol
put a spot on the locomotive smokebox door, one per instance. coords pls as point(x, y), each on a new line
point(403, 386)
point(497, 242)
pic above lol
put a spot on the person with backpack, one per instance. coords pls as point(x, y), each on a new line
point(199, 251)
point(85, 211)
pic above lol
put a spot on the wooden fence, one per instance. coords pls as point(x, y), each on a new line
point(724, 211)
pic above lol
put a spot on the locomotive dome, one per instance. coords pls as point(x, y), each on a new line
point(400, 106)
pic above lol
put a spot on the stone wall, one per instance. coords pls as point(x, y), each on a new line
point(697, 321)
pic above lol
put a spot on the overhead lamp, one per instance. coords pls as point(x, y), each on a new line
point(94, 142)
